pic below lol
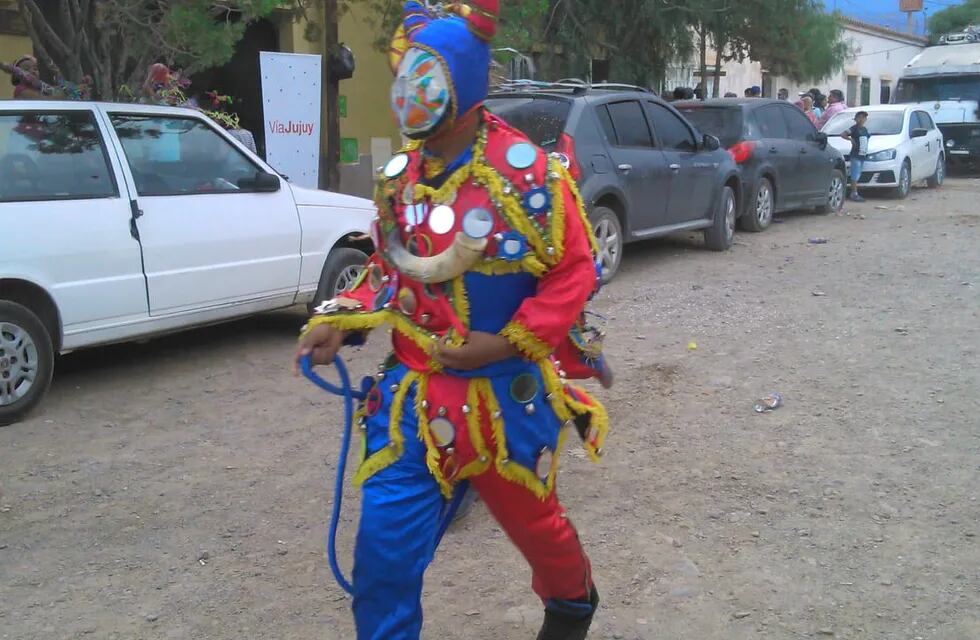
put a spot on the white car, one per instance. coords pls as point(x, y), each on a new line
point(126, 221)
point(905, 147)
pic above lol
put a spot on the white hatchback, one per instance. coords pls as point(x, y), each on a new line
point(125, 221)
point(905, 147)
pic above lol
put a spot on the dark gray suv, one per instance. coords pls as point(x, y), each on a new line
point(644, 171)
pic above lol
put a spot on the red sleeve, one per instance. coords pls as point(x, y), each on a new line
point(543, 321)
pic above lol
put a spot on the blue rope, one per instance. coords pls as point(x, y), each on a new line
point(349, 395)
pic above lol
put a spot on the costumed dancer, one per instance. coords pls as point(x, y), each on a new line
point(27, 83)
point(29, 86)
point(484, 264)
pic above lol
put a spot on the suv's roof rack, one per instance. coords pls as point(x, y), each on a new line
point(574, 85)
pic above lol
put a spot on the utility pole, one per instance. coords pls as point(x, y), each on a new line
point(910, 8)
point(330, 148)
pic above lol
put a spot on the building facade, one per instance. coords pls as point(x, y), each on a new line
point(869, 77)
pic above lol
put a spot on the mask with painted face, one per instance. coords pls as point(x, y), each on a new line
point(420, 95)
point(441, 61)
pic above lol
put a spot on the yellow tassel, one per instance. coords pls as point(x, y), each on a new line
point(396, 439)
point(566, 406)
point(599, 420)
point(526, 342)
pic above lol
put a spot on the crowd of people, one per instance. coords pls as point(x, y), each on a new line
point(817, 106)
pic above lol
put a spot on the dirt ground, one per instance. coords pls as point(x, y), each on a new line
point(180, 489)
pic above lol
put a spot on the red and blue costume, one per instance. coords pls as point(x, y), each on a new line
point(495, 241)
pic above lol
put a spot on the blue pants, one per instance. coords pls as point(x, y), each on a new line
point(400, 514)
point(402, 508)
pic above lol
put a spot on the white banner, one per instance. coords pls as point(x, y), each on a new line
point(291, 111)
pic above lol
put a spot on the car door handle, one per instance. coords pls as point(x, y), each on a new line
point(675, 168)
point(773, 150)
point(804, 150)
point(625, 168)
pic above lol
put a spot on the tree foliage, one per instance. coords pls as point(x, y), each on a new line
point(640, 39)
point(114, 41)
point(955, 18)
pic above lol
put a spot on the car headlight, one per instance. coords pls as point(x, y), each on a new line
point(881, 156)
point(951, 143)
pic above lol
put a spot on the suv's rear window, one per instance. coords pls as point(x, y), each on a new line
point(52, 156)
point(541, 119)
point(725, 123)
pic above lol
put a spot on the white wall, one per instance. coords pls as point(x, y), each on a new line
point(876, 56)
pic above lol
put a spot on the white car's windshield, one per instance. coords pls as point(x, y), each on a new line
point(880, 123)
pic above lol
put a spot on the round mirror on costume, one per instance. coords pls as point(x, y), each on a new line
point(420, 95)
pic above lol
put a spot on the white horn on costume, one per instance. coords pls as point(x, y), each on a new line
point(454, 261)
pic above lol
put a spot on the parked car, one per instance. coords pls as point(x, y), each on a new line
point(644, 171)
point(905, 147)
point(125, 221)
point(784, 162)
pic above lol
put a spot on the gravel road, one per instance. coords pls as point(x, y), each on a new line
point(179, 489)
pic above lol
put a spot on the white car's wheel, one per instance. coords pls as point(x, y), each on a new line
point(340, 271)
point(26, 361)
point(904, 181)
point(939, 177)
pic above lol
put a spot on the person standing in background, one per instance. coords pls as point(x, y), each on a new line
point(808, 109)
point(859, 137)
point(836, 99)
point(783, 94)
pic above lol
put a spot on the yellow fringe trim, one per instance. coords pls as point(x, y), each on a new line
point(461, 304)
point(512, 209)
point(526, 342)
point(557, 211)
point(482, 462)
point(509, 470)
point(577, 196)
point(432, 455)
point(422, 339)
point(347, 321)
point(529, 264)
point(566, 407)
point(396, 439)
point(456, 180)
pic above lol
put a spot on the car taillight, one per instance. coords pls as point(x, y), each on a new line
point(566, 147)
point(742, 151)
